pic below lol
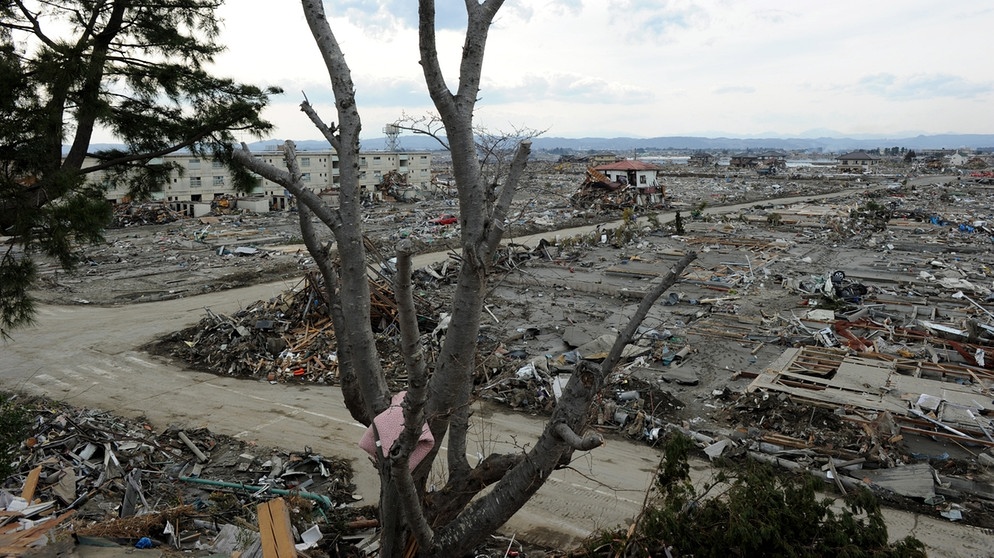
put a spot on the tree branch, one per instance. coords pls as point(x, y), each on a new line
point(105, 164)
point(36, 26)
point(414, 400)
point(354, 277)
point(491, 510)
point(577, 442)
point(89, 92)
point(430, 66)
point(657, 290)
point(507, 196)
point(332, 297)
point(327, 131)
point(451, 384)
point(289, 179)
point(471, 68)
point(410, 336)
point(426, 131)
point(446, 504)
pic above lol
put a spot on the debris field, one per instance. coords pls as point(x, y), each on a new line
point(851, 337)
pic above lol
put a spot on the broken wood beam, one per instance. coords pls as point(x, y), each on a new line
point(275, 529)
point(28, 492)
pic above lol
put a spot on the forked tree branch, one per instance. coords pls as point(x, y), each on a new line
point(503, 202)
point(577, 442)
point(414, 400)
point(327, 131)
point(491, 510)
point(289, 179)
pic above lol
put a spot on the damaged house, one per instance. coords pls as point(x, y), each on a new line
point(857, 161)
point(626, 183)
point(767, 162)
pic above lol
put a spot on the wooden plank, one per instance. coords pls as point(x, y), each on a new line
point(22, 539)
point(840, 398)
point(275, 529)
point(28, 492)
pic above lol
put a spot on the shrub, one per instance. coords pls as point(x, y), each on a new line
point(14, 421)
point(749, 509)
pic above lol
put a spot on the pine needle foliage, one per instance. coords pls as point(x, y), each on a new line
point(137, 68)
point(14, 422)
point(750, 509)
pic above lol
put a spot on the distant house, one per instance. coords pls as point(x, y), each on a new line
point(857, 161)
point(601, 159)
point(701, 160)
point(772, 159)
point(642, 176)
point(958, 159)
point(743, 161)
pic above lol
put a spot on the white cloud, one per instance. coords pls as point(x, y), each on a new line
point(921, 86)
point(640, 68)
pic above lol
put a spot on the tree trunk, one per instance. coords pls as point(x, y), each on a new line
point(448, 522)
point(353, 274)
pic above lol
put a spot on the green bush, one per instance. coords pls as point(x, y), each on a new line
point(751, 510)
point(14, 421)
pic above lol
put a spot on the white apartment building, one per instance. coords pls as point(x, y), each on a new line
point(202, 180)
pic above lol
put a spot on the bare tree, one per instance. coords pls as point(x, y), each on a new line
point(495, 148)
point(453, 519)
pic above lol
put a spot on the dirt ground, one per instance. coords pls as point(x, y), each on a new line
point(702, 345)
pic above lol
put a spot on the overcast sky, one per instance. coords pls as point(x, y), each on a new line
point(606, 68)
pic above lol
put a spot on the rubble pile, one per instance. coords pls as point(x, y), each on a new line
point(851, 450)
point(605, 194)
point(111, 481)
point(149, 213)
point(224, 205)
point(287, 338)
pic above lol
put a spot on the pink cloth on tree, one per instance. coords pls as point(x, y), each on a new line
point(389, 424)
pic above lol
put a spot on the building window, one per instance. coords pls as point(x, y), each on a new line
point(193, 163)
point(334, 164)
point(306, 177)
point(376, 158)
point(305, 161)
point(195, 182)
point(219, 181)
point(642, 179)
point(216, 164)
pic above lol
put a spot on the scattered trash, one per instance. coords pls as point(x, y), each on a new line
point(119, 482)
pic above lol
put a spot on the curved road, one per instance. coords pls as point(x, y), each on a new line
point(87, 356)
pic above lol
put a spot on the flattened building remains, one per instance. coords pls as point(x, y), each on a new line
point(852, 337)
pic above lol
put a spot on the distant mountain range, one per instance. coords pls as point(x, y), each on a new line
point(689, 143)
point(825, 144)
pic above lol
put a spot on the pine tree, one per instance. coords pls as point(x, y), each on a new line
point(69, 67)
